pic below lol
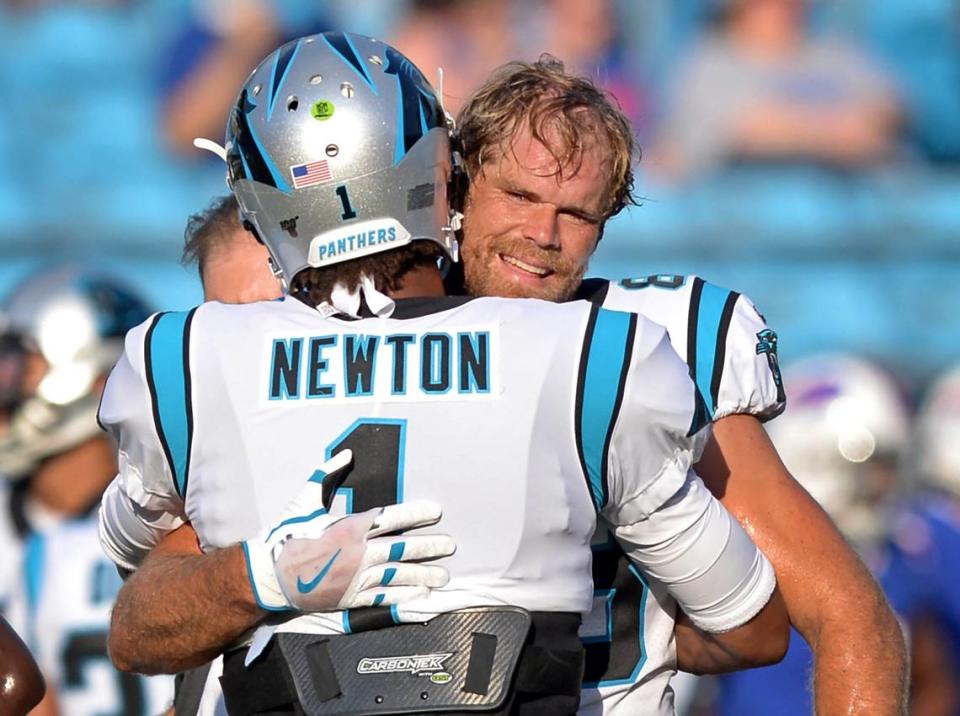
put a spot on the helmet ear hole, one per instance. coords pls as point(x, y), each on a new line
point(292, 103)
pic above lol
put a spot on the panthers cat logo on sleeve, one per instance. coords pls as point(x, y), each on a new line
point(767, 343)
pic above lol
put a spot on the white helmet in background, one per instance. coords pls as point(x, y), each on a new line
point(74, 319)
point(843, 436)
point(938, 433)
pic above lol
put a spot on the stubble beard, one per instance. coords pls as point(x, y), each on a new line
point(483, 274)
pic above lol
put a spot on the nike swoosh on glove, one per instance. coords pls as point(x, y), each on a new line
point(310, 561)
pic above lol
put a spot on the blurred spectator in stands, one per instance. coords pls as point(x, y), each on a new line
point(919, 41)
point(587, 37)
point(216, 49)
point(467, 38)
point(84, 153)
point(761, 88)
point(927, 532)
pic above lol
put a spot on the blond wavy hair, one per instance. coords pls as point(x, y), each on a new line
point(568, 108)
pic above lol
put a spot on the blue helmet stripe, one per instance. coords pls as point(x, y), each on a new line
point(281, 68)
point(340, 43)
point(256, 162)
point(278, 180)
point(423, 119)
point(399, 146)
point(246, 167)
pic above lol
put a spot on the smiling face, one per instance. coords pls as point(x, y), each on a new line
point(530, 225)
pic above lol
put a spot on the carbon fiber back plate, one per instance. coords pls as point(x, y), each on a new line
point(459, 661)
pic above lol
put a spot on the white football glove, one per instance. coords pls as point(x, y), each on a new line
point(311, 561)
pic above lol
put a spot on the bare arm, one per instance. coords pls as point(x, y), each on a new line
point(831, 598)
point(21, 685)
point(759, 642)
point(853, 134)
point(155, 630)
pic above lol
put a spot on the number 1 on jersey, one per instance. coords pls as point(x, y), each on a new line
point(376, 478)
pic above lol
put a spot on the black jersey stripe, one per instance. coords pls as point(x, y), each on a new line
point(594, 290)
point(700, 414)
point(721, 349)
point(152, 388)
point(604, 364)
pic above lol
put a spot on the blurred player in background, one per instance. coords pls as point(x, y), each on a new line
point(67, 325)
point(927, 531)
point(12, 366)
point(530, 231)
point(21, 684)
point(845, 437)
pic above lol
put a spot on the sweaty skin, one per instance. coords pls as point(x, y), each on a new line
point(522, 206)
point(831, 597)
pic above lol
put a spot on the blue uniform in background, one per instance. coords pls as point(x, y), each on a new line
point(784, 689)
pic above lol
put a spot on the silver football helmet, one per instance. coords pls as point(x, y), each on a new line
point(938, 433)
point(66, 325)
point(338, 148)
point(844, 437)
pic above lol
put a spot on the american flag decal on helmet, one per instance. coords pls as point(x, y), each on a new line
point(310, 173)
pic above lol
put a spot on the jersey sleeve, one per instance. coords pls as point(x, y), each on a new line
point(636, 416)
point(703, 556)
point(145, 488)
point(750, 382)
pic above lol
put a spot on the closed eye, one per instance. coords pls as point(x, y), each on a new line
point(581, 218)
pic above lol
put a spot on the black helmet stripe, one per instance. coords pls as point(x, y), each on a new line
point(419, 110)
point(340, 43)
point(256, 161)
point(281, 65)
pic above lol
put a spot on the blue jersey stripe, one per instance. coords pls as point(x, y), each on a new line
point(169, 377)
point(33, 557)
point(712, 301)
point(602, 383)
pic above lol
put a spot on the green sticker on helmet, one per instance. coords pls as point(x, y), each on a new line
point(322, 110)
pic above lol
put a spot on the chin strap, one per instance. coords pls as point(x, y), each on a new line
point(348, 302)
point(210, 146)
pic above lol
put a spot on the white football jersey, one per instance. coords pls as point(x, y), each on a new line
point(62, 610)
point(10, 547)
point(520, 417)
point(732, 357)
